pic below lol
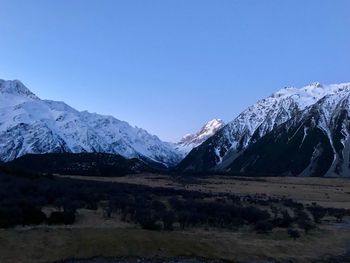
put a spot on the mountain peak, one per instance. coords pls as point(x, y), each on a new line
point(206, 131)
point(316, 84)
point(190, 141)
point(15, 87)
point(213, 125)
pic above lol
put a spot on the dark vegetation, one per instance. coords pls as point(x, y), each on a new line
point(23, 196)
point(88, 164)
point(100, 164)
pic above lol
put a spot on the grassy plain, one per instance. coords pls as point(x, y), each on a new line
point(327, 192)
point(46, 244)
point(93, 235)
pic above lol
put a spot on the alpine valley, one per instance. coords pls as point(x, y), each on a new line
point(31, 126)
point(294, 132)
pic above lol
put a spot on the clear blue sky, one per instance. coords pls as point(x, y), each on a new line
point(170, 65)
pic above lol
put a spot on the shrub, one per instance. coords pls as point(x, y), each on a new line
point(147, 220)
point(317, 213)
point(263, 227)
point(304, 221)
point(168, 220)
point(293, 233)
point(158, 206)
point(64, 217)
point(183, 218)
point(338, 213)
point(10, 217)
point(284, 221)
point(252, 214)
point(32, 215)
point(306, 225)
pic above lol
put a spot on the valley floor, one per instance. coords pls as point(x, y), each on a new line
point(327, 192)
point(47, 244)
point(95, 235)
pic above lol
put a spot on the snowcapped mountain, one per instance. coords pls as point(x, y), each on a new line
point(31, 125)
point(295, 131)
point(190, 141)
point(253, 142)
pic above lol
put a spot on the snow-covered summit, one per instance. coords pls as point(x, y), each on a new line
point(263, 116)
point(31, 125)
point(190, 141)
point(16, 88)
point(311, 93)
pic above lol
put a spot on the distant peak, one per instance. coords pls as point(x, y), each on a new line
point(15, 87)
point(190, 141)
point(214, 122)
point(211, 127)
point(313, 85)
point(315, 90)
point(317, 84)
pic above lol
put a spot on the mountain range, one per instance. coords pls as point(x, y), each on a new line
point(295, 132)
point(30, 125)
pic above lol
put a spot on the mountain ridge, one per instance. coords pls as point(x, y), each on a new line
point(311, 124)
point(221, 150)
point(31, 125)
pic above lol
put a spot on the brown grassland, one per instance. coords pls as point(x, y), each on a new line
point(328, 192)
point(94, 235)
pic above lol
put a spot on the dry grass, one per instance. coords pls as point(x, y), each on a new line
point(93, 235)
point(49, 244)
point(328, 192)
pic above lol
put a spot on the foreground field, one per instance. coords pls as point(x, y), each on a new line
point(328, 192)
point(113, 233)
point(47, 244)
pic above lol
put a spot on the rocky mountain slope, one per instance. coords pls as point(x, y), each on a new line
point(294, 131)
point(31, 125)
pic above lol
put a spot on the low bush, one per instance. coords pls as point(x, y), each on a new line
point(263, 227)
point(60, 218)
